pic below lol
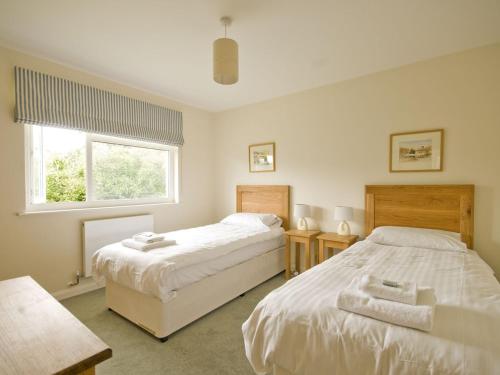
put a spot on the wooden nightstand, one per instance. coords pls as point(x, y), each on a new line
point(334, 241)
point(299, 237)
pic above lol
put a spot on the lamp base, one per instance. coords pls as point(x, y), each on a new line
point(302, 224)
point(344, 229)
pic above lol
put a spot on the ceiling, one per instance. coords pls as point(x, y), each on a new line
point(164, 46)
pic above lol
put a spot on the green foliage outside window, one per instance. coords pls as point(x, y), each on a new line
point(119, 172)
point(124, 172)
point(66, 178)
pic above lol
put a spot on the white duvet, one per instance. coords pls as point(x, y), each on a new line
point(148, 271)
point(297, 329)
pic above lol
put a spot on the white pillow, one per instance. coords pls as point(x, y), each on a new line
point(417, 237)
point(252, 219)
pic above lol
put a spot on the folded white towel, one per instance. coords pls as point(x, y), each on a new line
point(148, 237)
point(146, 246)
point(404, 292)
point(420, 316)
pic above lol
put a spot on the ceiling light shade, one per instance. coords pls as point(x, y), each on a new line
point(225, 58)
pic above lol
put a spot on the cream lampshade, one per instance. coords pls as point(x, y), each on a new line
point(343, 214)
point(302, 211)
point(225, 58)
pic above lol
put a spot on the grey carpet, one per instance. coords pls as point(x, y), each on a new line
point(210, 345)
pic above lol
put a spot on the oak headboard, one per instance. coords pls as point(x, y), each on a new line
point(445, 207)
point(272, 199)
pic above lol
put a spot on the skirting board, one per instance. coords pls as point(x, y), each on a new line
point(195, 300)
point(86, 285)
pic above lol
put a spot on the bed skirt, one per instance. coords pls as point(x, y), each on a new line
point(193, 301)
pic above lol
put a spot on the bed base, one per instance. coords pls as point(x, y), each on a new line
point(161, 319)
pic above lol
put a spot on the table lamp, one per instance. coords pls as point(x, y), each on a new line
point(343, 214)
point(302, 211)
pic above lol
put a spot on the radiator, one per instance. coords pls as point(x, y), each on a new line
point(99, 233)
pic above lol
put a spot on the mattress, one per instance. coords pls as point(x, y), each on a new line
point(298, 328)
point(189, 275)
point(198, 252)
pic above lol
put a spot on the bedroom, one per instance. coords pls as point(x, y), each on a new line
point(327, 84)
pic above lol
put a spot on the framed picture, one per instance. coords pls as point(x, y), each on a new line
point(420, 151)
point(261, 157)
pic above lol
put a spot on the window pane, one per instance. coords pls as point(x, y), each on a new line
point(57, 165)
point(128, 172)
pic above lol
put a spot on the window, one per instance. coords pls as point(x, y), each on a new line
point(72, 169)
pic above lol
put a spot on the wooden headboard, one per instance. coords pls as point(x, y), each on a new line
point(272, 199)
point(445, 207)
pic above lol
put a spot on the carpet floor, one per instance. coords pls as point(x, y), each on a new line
point(211, 345)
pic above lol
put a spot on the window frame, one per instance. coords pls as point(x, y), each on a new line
point(172, 180)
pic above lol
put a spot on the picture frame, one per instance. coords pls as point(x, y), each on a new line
point(261, 157)
point(418, 151)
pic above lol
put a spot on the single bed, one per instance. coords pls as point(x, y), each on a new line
point(298, 329)
point(213, 265)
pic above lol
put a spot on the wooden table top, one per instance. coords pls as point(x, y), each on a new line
point(302, 233)
point(39, 336)
point(338, 238)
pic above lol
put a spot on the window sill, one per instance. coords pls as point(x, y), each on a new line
point(84, 209)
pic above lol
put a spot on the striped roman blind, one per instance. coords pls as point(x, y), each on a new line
point(42, 99)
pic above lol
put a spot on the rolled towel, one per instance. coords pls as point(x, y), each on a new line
point(146, 246)
point(148, 237)
point(419, 316)
point(403, 292)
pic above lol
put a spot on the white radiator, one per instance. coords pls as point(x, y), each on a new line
point(99, 233)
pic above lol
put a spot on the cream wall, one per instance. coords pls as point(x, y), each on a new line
point(330, 142)
point(48, 246)
point(333, 140)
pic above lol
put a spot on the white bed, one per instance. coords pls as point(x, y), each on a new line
point(199, 252)
point(162, 290)
point(298, 329)
point(189, 275)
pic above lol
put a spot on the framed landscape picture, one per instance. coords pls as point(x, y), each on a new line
point(261, 157)
point(420, 151)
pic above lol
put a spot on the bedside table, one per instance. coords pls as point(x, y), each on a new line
point(299, 237)
point(334, 241)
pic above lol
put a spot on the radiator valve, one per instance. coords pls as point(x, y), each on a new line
point(77, 280)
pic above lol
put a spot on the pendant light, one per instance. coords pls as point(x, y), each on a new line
point(225, 57)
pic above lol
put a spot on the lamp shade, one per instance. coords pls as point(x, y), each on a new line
point(225, 61)
point(343, 213)
point(302, 210)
